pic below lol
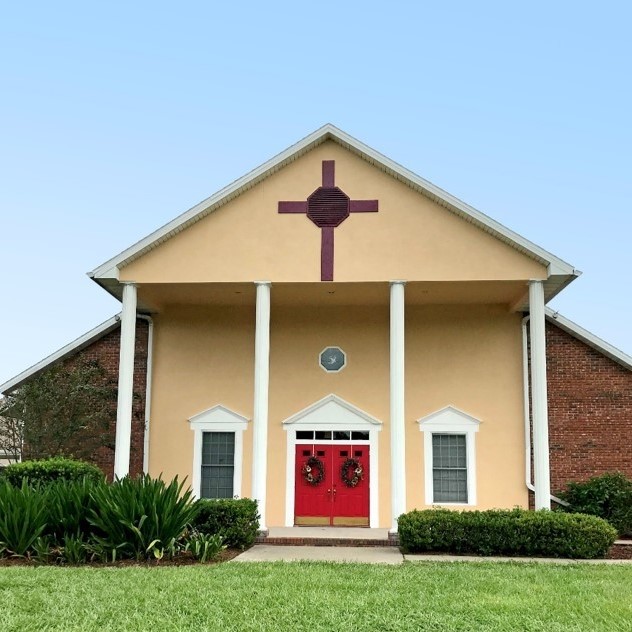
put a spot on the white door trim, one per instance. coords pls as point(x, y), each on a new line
point(332, 413)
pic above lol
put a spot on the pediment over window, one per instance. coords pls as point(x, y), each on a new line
point(330, 413)
point(219, 418)
point(449, 419)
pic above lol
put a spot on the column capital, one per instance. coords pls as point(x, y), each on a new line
point(535, 281)
point(268, 283)
point(397, 282)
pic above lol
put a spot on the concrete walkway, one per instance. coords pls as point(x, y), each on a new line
point(381, 555)
point(366, 554)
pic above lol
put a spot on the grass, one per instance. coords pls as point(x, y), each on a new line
point(319, 596)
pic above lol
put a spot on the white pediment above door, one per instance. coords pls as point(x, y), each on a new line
point(331, 413)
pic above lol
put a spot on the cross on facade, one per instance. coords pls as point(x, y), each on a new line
point(328, 206)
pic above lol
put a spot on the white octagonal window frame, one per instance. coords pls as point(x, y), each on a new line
point(344, 359)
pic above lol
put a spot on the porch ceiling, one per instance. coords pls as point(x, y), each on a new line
point(156, 297)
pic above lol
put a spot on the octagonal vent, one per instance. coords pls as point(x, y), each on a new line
point(328, 207)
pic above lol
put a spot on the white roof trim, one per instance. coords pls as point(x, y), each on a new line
point(590, 339)
point(339, 403)
point(556, 266)
point(76, 345)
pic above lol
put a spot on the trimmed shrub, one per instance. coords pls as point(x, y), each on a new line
point(608, 496)
point(139, 517)
point(50, 471)
point(236, 520)
point(23, 518)
point(516, 532)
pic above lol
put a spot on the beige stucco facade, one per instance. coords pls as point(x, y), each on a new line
point(463, 337)
point(464, 356)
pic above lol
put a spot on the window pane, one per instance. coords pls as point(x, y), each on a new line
point(449, 468)
point(323, 435)
point(342, 435)
point(218, 460)
point(360, 435)
point(304, 434)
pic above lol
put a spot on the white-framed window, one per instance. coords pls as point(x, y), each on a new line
point(449, 437)
point(218, 465)
point(217, 452)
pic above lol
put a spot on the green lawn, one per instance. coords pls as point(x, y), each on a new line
point(319, 596)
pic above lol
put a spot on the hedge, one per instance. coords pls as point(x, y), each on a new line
point(235, 519)
point(608, 496)
point(49, 471)
point(516, 532)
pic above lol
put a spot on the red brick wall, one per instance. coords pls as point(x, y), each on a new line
point(590, 411)
point(106, 352)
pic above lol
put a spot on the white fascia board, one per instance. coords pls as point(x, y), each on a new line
point(74, 347)
point(214, 201)
point(454, 204)
point(330, 132)
point(588, 338)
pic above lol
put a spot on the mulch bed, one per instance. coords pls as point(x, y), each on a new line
point(620, 552)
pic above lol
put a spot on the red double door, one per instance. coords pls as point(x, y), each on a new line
point(332, 501)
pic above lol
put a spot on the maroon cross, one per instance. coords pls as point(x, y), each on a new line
point(328, 206)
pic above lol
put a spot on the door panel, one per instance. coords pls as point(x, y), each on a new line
point(351, 503)
point(313, 502)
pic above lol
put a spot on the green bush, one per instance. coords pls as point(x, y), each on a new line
point(608, 496)
point(49, 471)
point(23, 517)
point(140, 518)
point(514, 532)
point(236, 520)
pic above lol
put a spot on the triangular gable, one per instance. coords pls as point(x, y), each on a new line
point(332, 412)
point(560, 273)
point(450, 418)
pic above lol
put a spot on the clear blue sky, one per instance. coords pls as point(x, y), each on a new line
point(115, 117)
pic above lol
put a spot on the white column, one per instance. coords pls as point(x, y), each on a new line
point(260, 414)
point(398, 440)
point(539, 407)
point(125, 382)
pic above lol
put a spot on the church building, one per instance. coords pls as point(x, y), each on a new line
point(344, 341)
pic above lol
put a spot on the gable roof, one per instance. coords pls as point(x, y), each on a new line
point(61, 354)
point(560, 272)
point(588, 338)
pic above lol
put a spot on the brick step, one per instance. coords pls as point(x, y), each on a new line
point(299, 541)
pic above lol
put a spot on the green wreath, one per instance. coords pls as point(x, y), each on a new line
point(313, 471)
point(358, 472)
